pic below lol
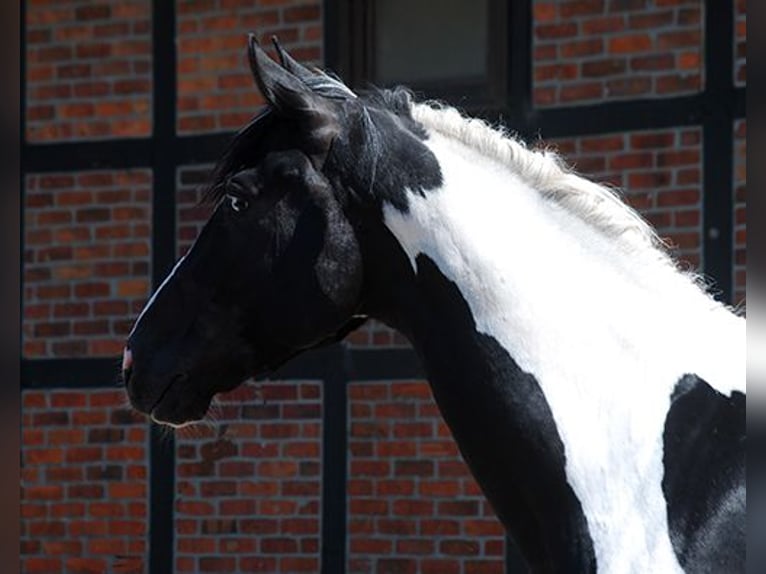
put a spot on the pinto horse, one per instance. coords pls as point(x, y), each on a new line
point(596, 392)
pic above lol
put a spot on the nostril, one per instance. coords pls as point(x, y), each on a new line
point(127, 359)
point(127, 365)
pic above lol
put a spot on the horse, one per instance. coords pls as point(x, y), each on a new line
point(594, 389)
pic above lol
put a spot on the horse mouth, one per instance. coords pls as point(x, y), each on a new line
point(176, 408)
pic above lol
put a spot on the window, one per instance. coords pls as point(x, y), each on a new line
point(454, 50)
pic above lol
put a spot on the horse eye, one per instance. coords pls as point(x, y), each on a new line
point(237, 203)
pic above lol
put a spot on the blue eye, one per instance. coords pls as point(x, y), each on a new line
point(237, 203)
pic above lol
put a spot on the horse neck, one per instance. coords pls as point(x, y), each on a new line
point(545, 282)
point(551, 351)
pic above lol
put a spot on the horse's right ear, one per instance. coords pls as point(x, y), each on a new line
point(316, 115)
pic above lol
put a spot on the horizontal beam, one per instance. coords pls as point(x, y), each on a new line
point(194, 149)
point(358, 365)
point(615, 117)
point(79, 156)
point(547, 123)
point(70, 373)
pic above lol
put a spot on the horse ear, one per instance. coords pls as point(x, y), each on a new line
point(317, 116)
point(319, 82)
point(290, 64)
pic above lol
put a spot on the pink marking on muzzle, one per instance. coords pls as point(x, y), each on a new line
point(127, 359)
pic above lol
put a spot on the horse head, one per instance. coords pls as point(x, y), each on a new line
point(278, 268)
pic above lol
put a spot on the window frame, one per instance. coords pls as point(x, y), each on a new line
point(354, 43)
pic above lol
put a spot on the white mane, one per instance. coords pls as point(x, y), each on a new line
point(544, 171)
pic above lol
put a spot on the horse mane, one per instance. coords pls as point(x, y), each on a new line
point(546, 172)
point(239, 154)
point(542, 168)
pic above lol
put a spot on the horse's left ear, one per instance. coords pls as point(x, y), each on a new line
point(316, 115)
point(320, 82)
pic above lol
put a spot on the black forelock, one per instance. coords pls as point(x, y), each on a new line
point(240, 153)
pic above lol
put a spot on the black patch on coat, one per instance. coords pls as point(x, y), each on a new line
point(704, 480)
point(381, 157)
point(503, 425)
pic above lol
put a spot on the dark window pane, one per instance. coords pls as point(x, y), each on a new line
point(421, 41)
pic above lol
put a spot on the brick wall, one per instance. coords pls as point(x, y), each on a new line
point(413, 505)
point(215, 88)
point(86, 260)
point(88, 69)
point(248, 493)
point(83, 483)
point(659, 174)
point(590, 51)
point(248, 487)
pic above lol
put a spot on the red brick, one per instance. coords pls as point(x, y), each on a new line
point(58, 437)
point(659, 19)
point(630, 43)
point(441, 488)
point(44, 456)
point(578, 48)
point(34, 399)
point(192, 508)
point(678, 83)
point(627, 5)
point(483, 567)
point(652, 140)
point(603, 25)
point(552, 31)
point(602, 68)
point(459, 547)
point(64, 474)
point(678, 197)
point(632, 160)
point(440, 567)
point(679, 39)
point(86, 565)
point(396, 566)
point(629, 86)
point(50, 492)
point(301, 13)
point(94, 12)
point(648, 180)
point(458, 508)
point(368, 507)
point(279, 545)
point(408, 507)
point(581, 92)
point(581, 8)
point(127, 490)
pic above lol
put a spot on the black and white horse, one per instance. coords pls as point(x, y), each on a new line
point(596, 392)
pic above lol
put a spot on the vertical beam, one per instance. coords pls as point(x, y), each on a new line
point(520, 56)
point(22, 154)
point(718, 141)
point(331, 40)
point(334, 462)
point(23, 78)
point(521, 119)
point(162, 446)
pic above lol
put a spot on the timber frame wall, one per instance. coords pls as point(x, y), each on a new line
point(715, 109)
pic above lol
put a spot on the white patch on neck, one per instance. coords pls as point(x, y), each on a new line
point(607, 336)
